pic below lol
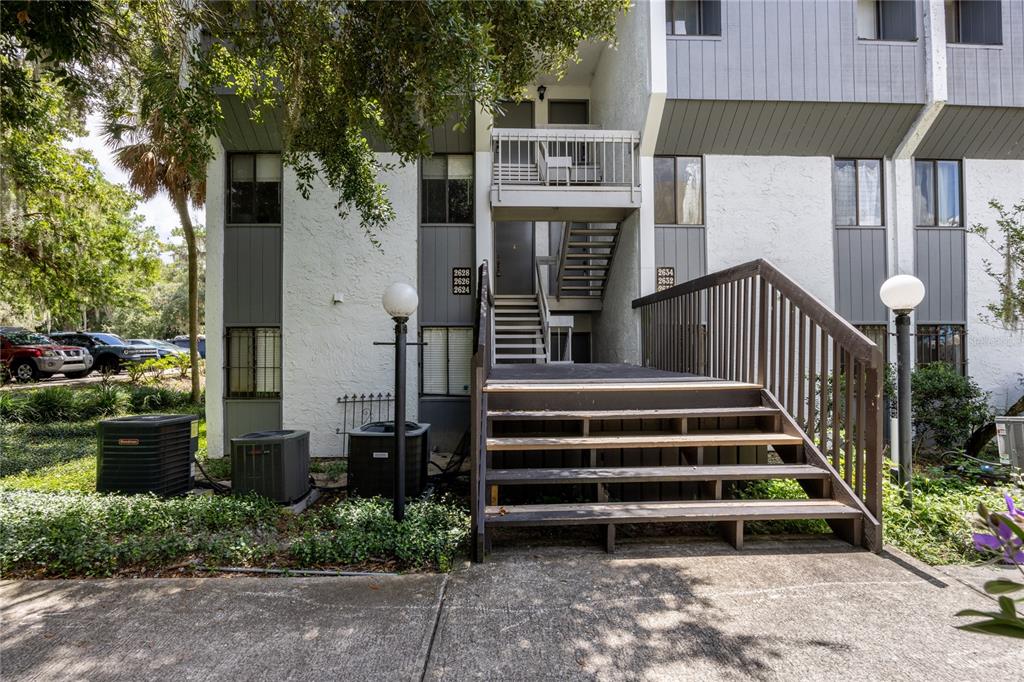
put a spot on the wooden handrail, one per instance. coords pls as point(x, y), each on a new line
point(753, 323)
point(823, 315)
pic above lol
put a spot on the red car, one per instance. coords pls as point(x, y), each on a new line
point(29, 356)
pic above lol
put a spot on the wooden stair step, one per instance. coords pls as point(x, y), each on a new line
point(700, 412)
point(516, 318)
point(514, 311)
point(588, 256)
point(520, 356)
point(608, 231)
point(587, 267)
point(516, 328)
point(712, 439)
point(584, 278)
point(591, 245)
point(501, 345)
point(667, 512)
point(656, 474)
point(624, 386)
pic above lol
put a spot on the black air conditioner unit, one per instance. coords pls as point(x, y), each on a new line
point(371, 459)
point(151, 453)
point(274, 464)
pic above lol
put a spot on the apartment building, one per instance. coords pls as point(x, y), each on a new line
point(844, 141)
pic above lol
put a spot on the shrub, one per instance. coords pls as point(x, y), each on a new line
point(61, 404)
point(361, 530)
point(947, 407)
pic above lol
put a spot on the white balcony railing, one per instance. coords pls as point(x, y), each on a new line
point(528, 158)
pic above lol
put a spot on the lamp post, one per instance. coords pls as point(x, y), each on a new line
point(400, 301)
point(901, 294)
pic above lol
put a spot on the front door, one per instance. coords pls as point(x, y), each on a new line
point(513, 258)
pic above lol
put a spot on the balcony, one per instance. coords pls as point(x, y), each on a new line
point(579, 174)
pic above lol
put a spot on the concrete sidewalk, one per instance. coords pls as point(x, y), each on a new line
point(694, 611)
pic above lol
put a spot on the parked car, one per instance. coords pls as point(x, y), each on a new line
point(163, 348)
point(109, 351)
point(29, 356)
point(182, 342)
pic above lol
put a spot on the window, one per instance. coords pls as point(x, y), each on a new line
point(666, 278)
point(693, 18)
point(937, 191)
point(254, 182)
point(447, 358)
point(254, 362)
point(977, 22)
point(857, 191)
point(886, 20)
point(569, 112)
point(678, 190)
point(447, 185)
point(942, 343)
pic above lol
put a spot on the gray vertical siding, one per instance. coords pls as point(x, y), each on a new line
point(682, 248)
point(441, 249)
point(793, 50)
point(990, 74)
point(246, 416)
point(940, 263)
point(252, 276)
point(860, 271)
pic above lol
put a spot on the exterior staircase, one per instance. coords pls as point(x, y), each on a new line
point(585, 259)
point(648, 451)
point(745, 377)
point(518, 329)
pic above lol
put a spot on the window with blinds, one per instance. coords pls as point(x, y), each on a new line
point(254, 362)
point(446, 360)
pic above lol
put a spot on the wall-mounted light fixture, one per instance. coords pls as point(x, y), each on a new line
point(540, 92)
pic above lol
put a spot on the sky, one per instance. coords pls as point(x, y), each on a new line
point(158, 211)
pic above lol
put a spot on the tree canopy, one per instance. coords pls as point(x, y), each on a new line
point(345, 72)
point(70, 240)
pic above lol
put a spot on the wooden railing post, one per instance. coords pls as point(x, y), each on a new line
point(874, 461)
point(762, 331)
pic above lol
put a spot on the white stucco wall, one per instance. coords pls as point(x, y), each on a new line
point(214, 302)
point(773, 207)
point(328, 347)
point(995, 355)
point(616, 331)
point(621, 86)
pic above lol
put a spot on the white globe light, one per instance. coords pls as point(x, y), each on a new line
point(400, 300)
point(902, 292)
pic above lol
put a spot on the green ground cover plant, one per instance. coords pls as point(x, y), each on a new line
point(74, 534)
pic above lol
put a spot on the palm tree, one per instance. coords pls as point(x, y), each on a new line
point(157, 159)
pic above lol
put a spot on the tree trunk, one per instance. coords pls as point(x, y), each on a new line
point(181, 205)
point(983, 434)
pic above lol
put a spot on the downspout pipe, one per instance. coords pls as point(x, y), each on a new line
point(902, 230)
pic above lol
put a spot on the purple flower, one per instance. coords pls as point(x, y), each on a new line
point(1015, 514)
point(1002, 540)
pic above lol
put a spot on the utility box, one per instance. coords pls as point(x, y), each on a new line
point(371, 459)
point(1010, 437)
point(152, 453)
point(273, 464)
